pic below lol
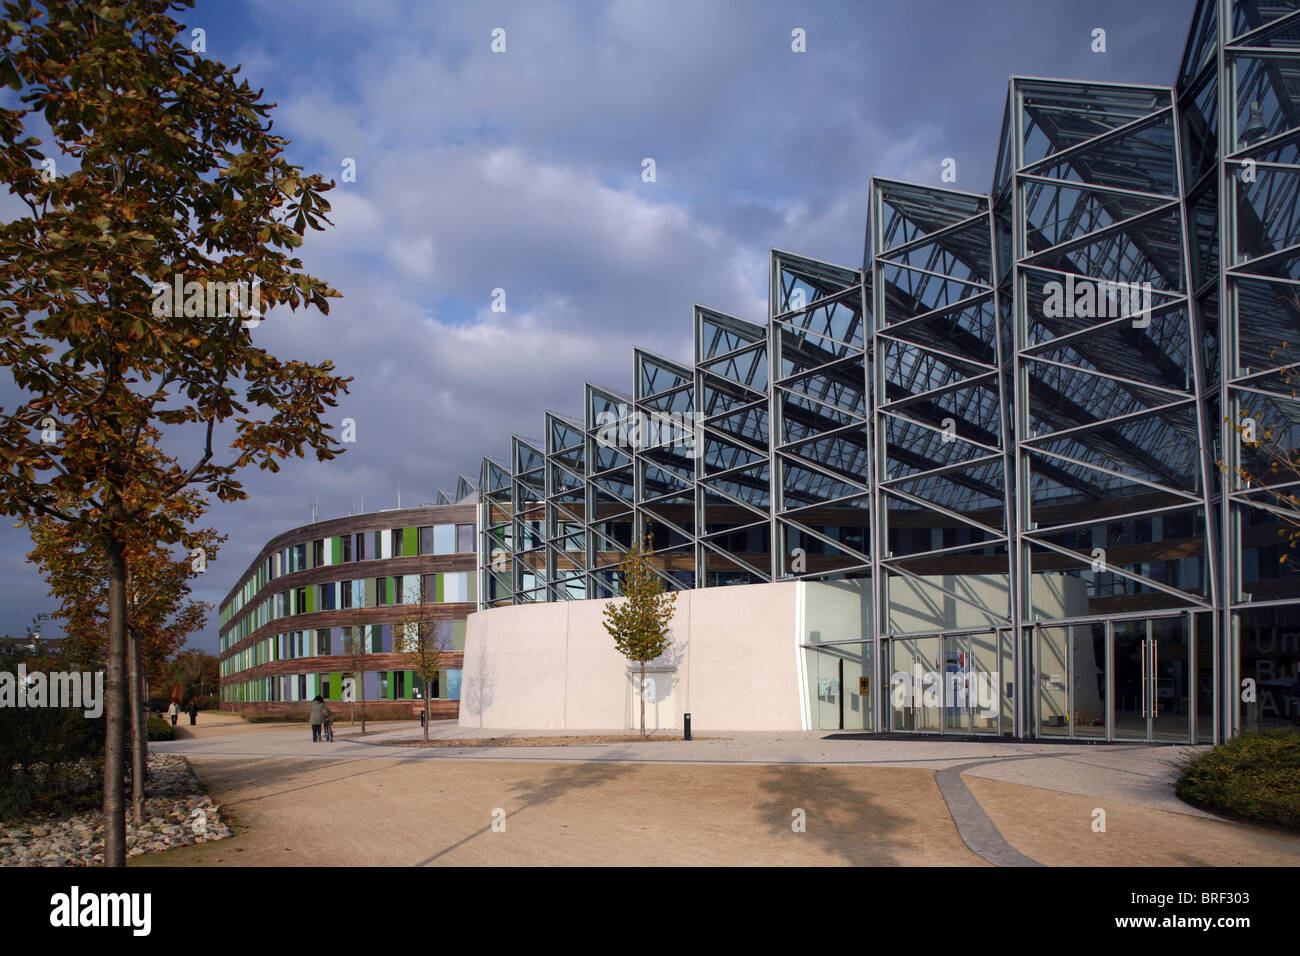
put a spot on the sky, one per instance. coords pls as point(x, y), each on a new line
point(522, 171)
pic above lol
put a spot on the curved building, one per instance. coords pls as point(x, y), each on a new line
point(315, 591)
point(999, 479)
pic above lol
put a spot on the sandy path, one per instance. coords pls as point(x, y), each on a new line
point(1056, 829)
point(294, 811)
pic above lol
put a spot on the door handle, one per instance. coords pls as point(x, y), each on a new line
point(1155, 679)
point(1146, 681)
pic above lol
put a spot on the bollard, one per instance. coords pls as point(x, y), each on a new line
point(686, 733)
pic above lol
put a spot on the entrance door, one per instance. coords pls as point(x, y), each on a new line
point(916, 684)
point(1151, 679)
point(1070, 665)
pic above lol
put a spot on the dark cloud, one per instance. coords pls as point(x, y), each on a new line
point(522, 171)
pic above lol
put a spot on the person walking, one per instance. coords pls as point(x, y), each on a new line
point(194, 711)
point(316, 716)
point(327, 722)
point(173, 712)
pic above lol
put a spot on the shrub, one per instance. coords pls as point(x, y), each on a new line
point(1254, 777)
point(51, 761)
point(160, 729)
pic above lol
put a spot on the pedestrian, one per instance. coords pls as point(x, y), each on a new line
point(327, 722)
point(173, 712)
point(194, 711)
point(317, 715)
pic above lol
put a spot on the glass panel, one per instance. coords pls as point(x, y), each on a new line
point(1088, 680)
point(842, 698)
point(1269, 654)
point(1053, 678)
point(1171, 703)
point(1130, 684)
point(971, 684)
point(916, 685)
point(444, 539)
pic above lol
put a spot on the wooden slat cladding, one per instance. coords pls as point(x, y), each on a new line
point(345, 617)
point(358, 524)
point(338, 663)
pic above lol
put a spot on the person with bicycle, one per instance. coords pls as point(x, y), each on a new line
point(327, 723)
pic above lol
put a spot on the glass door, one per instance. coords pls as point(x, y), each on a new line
point(916, 684)
point(1151, 679)
point(1070, 666)
point(971, 683)
point(1131, 679)
point(1171, 692)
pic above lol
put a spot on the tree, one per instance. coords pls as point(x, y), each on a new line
point(159, 613)
point(163, 176)
point(354, 649)
point(197, 672)
point(421, 639)
point(639, 620)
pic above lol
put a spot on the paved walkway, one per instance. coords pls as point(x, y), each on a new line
point(930, 801)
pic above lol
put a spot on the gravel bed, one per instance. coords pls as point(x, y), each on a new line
point(177, 813)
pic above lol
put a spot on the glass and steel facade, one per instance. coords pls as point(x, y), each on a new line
point(1012, 438)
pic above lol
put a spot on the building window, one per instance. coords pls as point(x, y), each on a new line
point(347, 547)
point(465, 538)
point(444, 539)
point(381, 591)
point(317, 553)
point(361, 546)
point(323, 642)
point(345, 592)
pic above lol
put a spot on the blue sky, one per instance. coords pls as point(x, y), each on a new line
point(522, 170)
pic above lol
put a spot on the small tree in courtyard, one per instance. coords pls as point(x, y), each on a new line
point(354, 649)
point(638, 621)
point(421, 639)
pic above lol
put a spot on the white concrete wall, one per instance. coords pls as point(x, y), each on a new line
point(732, 665)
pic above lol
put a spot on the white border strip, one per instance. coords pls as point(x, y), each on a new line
point(800, 663)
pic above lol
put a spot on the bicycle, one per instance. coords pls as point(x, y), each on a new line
point(327, 730)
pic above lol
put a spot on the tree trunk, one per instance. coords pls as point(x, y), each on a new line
point(643, 699)
point(115, 710)
point(139, 732)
